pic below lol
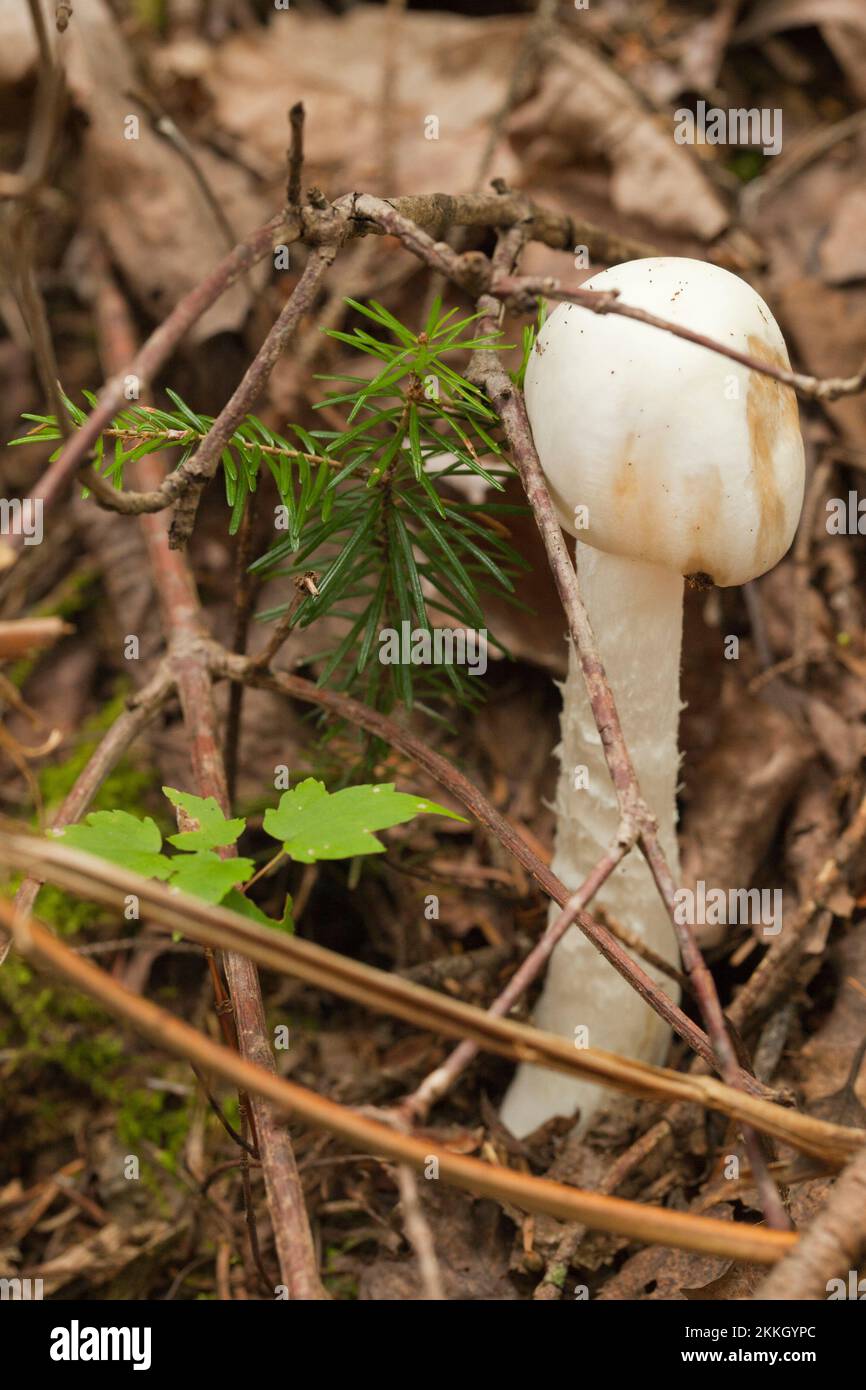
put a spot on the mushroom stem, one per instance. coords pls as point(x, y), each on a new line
point(636, 610)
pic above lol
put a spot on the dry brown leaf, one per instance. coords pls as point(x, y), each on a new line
point(739, 1281)
point(843, 250)
point(584, 110)
point(826, 1059)
point(139, 191)
point(472, 1241)
point(451, 68)
point(774, 16)
point(17, 43)
point(738, 794)
point(840, 742)
point(842, 24)
point(105, 1254)
point(660, 1275)
point(829, 329)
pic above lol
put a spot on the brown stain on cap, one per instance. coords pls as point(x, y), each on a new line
point(771, 412)
point(638, 493)
point(625, 475)
point(645, 497)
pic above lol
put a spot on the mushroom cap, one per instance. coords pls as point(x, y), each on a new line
point(681, 457)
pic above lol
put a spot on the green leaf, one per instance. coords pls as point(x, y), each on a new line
point(205, 875)
point(214, 830)
point(121, 839)
point(313, 823)
point(237, 902)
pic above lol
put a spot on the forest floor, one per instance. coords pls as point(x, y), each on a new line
point(580, 118)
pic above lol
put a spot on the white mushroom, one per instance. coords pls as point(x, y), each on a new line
point(666, 460)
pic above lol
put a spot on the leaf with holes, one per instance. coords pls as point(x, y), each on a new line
point(214, 830)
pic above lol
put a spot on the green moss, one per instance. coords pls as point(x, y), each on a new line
point(746, 164)
point(79, 593)
point(339, 1283)
point(47, 1026)
point(343, 1287)
point(126, 786)
point(556, 1275)
point(66, 914)
point(61, 1032)
point(60, 1028)
point(159, 1118)
point(49, 1029)
point(151, 14)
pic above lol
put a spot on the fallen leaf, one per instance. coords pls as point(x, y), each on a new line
point(472, 1242)
point(452, 78)
point(139, 191)
point(825, 1061)
point(843, 250)
point(582, 109)
point(739, 1281)
point(663, 1275)
point(737, 796)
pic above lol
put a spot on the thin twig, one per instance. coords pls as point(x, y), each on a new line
point(24, 635)
point(182, 621)
point(344, 707)
point(442, 1079)
point(523, 291)
point(295, 155)
point(327, 227)
point(832, 1246)
point(217, 1109)
point(420, 1236)
point(99, 881)
point(143, 368)
point(768, 983)
point(165, 127)
point(292, 1234)
point(305, 585)
point(246, 588)
point(191, 476)
point(634, 1219)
